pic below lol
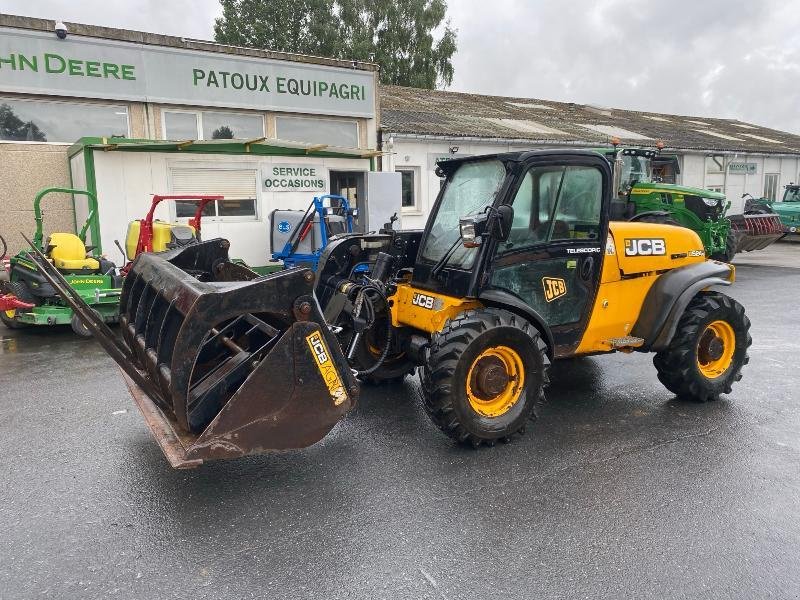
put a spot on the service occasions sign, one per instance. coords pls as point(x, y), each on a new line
point(294, 178)
point(37, 62)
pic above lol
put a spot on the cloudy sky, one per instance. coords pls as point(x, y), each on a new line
point(711, 58)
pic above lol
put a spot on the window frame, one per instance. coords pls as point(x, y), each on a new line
point(550, 240)
point(198, 119)
point(216, 217)
point(81, 102)
point(416, 173)
point(316, 118)
point(777, 178)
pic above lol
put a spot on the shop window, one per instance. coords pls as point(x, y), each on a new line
point(237, 185)
point(61, 122)
point(227, 126)
point(212, 125)
point(318, 131)
point(771, 185)
point(409, 189)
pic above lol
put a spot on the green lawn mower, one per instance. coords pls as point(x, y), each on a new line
point(26, 298)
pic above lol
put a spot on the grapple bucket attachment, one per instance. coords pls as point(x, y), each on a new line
point(756, 232)
point(223, 362)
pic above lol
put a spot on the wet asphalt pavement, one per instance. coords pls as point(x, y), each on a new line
point(618, 491)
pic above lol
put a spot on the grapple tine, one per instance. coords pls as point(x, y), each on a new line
point(121, 354)
point(230, 355)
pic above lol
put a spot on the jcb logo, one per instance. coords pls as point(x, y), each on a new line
point(326, 368)
point(645, 247)
point(554, 287)
point(318, 348)
point(422, 300)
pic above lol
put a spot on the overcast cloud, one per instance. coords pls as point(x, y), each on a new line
point(712, 58)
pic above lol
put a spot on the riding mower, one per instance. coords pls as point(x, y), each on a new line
point(519, 265)
point(28, 299)
point(640, 198)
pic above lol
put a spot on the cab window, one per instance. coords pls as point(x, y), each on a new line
point(556, 204)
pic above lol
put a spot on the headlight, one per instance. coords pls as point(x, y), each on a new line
point(469, 235)
point(711, 201)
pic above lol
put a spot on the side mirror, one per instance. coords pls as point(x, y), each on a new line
point(496, 223)
point(501, 224)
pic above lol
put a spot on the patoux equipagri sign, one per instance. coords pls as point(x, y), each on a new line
point(36, 62)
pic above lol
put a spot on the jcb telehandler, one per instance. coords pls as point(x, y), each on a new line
point(518, 265)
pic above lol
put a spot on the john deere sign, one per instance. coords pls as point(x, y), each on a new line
point(37, 62)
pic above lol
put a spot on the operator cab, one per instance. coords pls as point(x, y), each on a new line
point(792, 193)
point(521, 229)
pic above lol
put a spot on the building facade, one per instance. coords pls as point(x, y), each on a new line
point(419, 127)
point(304, 126)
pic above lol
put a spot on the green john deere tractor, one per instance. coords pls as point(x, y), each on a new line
point(641, 198)
point(28, 299)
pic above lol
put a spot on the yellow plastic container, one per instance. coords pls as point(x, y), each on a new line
point(161, 236)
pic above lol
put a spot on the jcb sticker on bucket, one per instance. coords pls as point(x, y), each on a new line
point(326, 367)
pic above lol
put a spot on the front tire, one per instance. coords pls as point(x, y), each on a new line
point(709, 349)
point(730, 249)
point(485, 374)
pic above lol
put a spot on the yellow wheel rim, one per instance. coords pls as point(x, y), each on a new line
point(11, 313)
point(495, 381)
point(715, 349)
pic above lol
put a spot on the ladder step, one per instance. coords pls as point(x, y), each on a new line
point(627, 341)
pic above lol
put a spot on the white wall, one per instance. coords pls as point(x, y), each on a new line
point(694, 173)
point(418, 154)
point(126, 182)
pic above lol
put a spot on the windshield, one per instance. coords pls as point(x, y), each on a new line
point(469, 191)
point(634, 168)
point(792, 195)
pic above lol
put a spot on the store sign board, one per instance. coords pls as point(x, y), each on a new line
point(434, 157)
point(294, 178)
point(37, 62)
point(749, 168)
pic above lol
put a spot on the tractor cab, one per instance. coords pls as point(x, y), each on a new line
point(789, 209)
point(792, 193)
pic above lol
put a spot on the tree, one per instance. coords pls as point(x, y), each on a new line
point(223, 132)
point(397, 34)
point(14, 128)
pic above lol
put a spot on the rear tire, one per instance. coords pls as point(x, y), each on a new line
point(709, 349)
point(395, 366)
point(485, 374)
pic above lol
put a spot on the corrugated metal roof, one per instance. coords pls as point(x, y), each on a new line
point(454, 115)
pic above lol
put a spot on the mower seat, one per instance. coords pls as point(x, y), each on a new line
point(68, 253)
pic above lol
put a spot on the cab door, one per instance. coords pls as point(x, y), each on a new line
point(553, 257)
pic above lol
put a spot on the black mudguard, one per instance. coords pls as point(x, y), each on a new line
point(510, 302)
point(669, 297)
